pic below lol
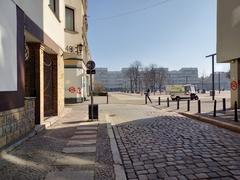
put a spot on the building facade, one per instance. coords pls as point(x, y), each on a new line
point(32, 52)
point(111, 80)
point(228, 42)
point(183, 76)
point(76, 52)
point(221, 81)
point(119, 81)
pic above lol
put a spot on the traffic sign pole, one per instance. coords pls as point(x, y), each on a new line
point(91, 65)
point(91, 91)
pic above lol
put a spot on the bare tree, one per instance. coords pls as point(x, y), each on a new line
point(136, 67)
point(153, 73)
point(130, 75)
point(161, 76)
point(228, 75)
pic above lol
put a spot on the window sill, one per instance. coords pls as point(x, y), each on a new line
point(70, 31)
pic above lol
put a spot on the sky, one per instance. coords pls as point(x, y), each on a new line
point(169, 33)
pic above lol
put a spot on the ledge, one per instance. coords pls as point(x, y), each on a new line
point(30, 98)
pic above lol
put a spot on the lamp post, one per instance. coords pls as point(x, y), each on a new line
point(213, 88)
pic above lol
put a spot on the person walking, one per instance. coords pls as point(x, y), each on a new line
point(148, 95)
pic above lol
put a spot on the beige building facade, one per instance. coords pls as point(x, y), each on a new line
point(35, 45)
point(228, 42)
point(76, 52)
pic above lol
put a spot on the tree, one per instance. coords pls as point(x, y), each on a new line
point(161, 76)
point(130, 74)
point(135, 69)
point(228, 74)
point(98, 87)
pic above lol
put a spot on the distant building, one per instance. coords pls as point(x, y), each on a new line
point(111, 80)
point(220, 80)
point(183, 76)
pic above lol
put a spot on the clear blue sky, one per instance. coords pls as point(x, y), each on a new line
point(178, 33)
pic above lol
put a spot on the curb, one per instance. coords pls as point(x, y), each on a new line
point(212, 121)
point(118, 165)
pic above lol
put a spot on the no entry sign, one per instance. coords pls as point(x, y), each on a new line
point(234, 85)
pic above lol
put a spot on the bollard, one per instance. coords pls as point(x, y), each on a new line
point(188, 105)
point(167, 102)
point(199, 106)
point(236, 112)
point(224, 104)
point(178, 104)
point(215, 108)
point(159, 101)
point(107, 98)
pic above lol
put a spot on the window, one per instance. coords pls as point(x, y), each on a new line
point(69, 19)
point(52, 5)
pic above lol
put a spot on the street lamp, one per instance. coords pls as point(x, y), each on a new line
point(213, 88)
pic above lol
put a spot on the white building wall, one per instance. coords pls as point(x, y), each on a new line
point(228, 30)
point(40, 12)
point(54, 26)
point(33, 9)
point(71, 83)
point(8, 46)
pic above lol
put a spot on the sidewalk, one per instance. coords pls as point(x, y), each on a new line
point(73, 148)
point(224, 119)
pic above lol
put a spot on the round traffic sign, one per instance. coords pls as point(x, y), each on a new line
point(234, 85)
point(90, 65)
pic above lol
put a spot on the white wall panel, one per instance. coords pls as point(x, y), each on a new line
point(8, 46)
point(228, 27)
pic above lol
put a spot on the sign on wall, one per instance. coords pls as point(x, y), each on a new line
point(8, 46)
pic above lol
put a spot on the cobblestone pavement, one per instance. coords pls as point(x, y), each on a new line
point(171, 146)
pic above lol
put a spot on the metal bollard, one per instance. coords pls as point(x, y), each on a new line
point(215, 108)
point(167, 102)
point(107, 98)
point(199, 106)
point(188, 105)
point(224, 104)
point(177, 104)
point(159, 101)
point(235, 112)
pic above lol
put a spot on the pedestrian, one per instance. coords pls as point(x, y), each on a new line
point(148, 95)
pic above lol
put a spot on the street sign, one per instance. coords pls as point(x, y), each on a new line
point(91, 71)
point(90, 65)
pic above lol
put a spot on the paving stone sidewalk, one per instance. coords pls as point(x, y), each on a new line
point(171, 146)
point(72, 149)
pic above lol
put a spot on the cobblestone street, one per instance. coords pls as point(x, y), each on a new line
point(174, 147)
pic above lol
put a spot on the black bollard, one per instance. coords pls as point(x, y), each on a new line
point(188, 105)
point(199, 106)
point(215, 108)
point(236, 112)
point(167, 102)
point(224, 104)
point(178, 104)
point(159, 101)
point(107, 98)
